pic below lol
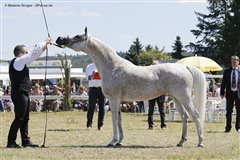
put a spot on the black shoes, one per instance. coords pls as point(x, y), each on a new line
point(227, 130)
point(28, 143)
point(89, 127)
point(13, 145)
point(163, 126)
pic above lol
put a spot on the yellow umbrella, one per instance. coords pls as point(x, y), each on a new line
point(203, 63)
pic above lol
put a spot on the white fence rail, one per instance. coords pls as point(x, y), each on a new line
point(49, 97)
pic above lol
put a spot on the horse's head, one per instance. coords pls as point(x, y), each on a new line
point(76, 43)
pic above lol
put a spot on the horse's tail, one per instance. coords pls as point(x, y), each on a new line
point(199, 91)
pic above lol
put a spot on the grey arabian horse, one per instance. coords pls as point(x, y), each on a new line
point(124, 81)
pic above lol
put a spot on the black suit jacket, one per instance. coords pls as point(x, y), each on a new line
point(226, 82)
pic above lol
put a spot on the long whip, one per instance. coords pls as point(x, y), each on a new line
point(45, 79)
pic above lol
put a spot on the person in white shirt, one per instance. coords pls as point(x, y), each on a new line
point(217, 91)
point(20, 88)
point(95, 96)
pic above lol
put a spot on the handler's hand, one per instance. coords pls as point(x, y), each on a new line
point(48, 40)
point(46, 43)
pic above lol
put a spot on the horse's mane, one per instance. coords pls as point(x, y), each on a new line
point(101, 46)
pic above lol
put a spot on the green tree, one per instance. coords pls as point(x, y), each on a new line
point(219, 31)
point(177, 48)
point(147, 56)
point(148, 48)
point(134, 51)
point(122, 54)
point(66, 65)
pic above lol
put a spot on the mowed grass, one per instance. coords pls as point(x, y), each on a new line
point(67, 138)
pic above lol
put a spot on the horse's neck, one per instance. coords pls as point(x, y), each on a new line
point(103, 56)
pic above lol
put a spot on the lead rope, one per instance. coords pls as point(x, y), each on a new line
point(45, 78)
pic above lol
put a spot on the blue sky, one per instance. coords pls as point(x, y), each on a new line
point(117, 23)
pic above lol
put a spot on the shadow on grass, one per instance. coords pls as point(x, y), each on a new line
point(215, 132)
point(65, 130)
point(117, 147)
point(175, 121)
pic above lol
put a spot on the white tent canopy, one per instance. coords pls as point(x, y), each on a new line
point(52, 73)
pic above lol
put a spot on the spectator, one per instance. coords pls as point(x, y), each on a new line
point(78, 103)
point(140, 107)
point(56, 103)
point(217, 91)
point(36, 104)
point(160, 101)
point(8, 102)
point(230, 88)
point(95, 96)
point(1, 103)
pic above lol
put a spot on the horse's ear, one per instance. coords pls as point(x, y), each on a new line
point(85, 31)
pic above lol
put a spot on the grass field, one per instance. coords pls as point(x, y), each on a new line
point(67, 138)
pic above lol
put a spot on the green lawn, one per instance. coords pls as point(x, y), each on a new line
point(67, 138)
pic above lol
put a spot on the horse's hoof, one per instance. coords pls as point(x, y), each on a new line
point(200, 145)
point(179, 145)
point(118, 145)
point(110, 145)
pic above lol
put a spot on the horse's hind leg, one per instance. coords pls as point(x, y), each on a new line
point(184, 117)
point(195, 117)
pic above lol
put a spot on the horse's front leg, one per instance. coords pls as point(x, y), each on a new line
point(120, 129)
point(115, 105)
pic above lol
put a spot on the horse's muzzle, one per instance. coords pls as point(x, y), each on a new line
point(62, 42)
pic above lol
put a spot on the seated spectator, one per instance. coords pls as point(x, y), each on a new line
point(36, 104)
point(56, 103)
point(1, 104)
point(78, 103)
point(107, 106)
point(9, 106)
point(81, 92)
point(209, 94)
point(46, 103)
point(46, 90)
point(128, 106)
point(217, 91)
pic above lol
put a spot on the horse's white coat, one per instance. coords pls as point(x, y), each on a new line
point(124, 81)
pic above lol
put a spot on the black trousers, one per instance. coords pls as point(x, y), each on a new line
point(160, 103)
point(21, 103)
point(230, 103)
point(95, 96)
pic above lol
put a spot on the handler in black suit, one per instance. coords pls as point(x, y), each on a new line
point(230, 88)
point(21, 86)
